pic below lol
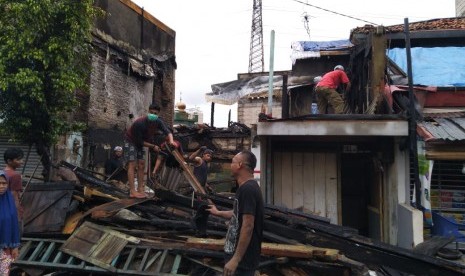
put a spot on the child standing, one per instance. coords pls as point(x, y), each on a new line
point(9, 230)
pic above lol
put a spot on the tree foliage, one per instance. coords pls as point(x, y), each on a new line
point(44, 59)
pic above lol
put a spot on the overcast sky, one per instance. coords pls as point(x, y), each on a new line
point(213, 36)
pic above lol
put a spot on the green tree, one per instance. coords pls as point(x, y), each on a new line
point(44, 59)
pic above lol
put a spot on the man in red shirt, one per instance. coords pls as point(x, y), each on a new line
point(326, 90)
point(14, 159)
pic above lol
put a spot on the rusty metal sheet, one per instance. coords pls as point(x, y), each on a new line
point(110, 208)
point(446, 129)
point(45, 206)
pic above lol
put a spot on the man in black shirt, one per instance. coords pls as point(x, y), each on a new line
point(201, 164)
point(245, 231)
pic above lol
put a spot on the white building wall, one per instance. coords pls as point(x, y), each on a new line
point(460, 8)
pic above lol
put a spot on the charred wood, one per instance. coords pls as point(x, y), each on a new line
point(95, 182)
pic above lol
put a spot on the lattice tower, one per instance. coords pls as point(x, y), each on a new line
point(256, 63)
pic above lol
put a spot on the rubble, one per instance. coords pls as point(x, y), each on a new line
point(104, 232)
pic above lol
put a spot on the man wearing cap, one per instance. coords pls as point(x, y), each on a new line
point(142, 134)
point(201, 164)
point(326, 90)
point(114, 163)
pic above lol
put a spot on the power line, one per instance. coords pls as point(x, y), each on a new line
point(334, 12)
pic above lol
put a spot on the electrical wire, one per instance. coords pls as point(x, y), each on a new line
point(337, 13)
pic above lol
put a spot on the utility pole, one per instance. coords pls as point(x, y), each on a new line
point(256, 63)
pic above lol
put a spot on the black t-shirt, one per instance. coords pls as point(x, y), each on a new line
point(144, 130)
point(201, 173)
point(248, 200)
point(112, 165)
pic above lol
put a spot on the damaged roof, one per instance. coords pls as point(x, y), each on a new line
point(442, 125)
point(230, 92)
point(454, 23)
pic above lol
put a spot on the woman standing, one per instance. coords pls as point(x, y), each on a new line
point(9, 230)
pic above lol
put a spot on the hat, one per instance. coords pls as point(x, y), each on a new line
point(118, 148)
point(207, 151)
point(339, 67)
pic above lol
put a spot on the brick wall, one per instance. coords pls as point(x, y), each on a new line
point(116, 97)
point(248, 110)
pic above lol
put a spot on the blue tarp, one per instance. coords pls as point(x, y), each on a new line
point(438, 66)
point(325, 45)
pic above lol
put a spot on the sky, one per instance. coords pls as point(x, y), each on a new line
point(213, 36)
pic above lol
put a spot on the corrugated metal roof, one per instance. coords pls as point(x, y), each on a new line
point(445, 128)
point(32, 162)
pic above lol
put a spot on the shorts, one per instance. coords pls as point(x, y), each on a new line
point(131, 153)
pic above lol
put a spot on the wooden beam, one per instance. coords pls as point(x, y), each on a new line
point(272, 249)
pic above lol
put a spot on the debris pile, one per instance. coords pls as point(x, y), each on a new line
point(89, 226)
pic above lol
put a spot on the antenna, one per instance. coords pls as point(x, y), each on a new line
point(256, 63)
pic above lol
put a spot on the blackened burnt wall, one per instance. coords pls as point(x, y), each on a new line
point(117, 96)
point(127, 22)
point(133, 34)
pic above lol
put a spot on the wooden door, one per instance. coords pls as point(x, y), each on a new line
point(306, 181)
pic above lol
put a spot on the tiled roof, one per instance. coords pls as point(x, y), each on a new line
point(455, 23)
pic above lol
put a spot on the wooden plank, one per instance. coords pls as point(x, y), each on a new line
point(297, 180)
point(286, 176)
point(187, 172)
point(110, 207)
point(431, 247)
point(108, 248)
point(331, 187)
point(277, 178)
point(46, 205)
point(309, 183)
point(272, 249)
point(320, 186)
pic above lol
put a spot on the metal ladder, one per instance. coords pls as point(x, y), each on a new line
point(133, 259)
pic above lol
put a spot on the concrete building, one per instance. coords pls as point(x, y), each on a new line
point(133, 65)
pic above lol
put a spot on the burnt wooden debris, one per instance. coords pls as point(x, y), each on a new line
point(105, 232)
